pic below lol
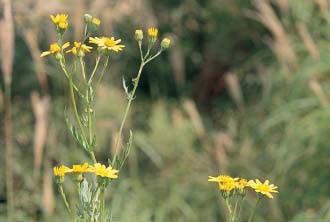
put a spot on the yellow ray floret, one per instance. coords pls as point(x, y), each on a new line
point(107, 43)
point(264, 188)
point(84, 168)
point(241, 184)
point(60, 171)
point(103, 171)
point(60, 20)
point(81, 47)
point(54, 48)
point(152, 32)
point(222, 179)
point(96, 21)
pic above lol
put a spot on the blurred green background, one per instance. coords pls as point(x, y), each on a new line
point(244, 90)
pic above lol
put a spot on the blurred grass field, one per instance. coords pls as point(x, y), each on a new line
point(244, 90)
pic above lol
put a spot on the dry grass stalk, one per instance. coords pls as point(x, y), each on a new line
point(48, 199)
point(234, 88)
point(281, 44)
point(7, 55)
point(308, 41)
point(324, 7)
point(31, 38)
point(316, 88)
point(196, 119)
point(40, 109)
point(178, 64)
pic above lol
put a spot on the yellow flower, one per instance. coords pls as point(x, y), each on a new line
point(227, 186)
point(60, 20)
point(152, 32)
point(82, 48)
point(241, 184)
point(54, 49)
point(264, 188)
point(80, 168)
point(60, 171)
point(96, 21)
point(107, 43)
point(103, 171)
point(222, 179)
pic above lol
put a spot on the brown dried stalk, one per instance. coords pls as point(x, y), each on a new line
point(7, 52)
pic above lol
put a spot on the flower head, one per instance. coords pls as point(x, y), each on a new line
point(61, 171)
point(96, 21)
point(79, 48)
point(106, 43)
point(222, 179)
point(80, 168)
point(54, 49)
point(241, 184)
point(60, 20)
point(152, 33)
point(103, 171)
point(264, 188)
point(227, 186)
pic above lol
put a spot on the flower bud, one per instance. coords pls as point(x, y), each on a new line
point(88, 18)
point(58, 56)
point(165, 44)
point(138, 35)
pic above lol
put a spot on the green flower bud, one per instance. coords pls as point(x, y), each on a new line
point(138, 35)
point(165, 44)
point(58, 56)
point(88, 18)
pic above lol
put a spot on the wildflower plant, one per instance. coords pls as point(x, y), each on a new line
point(233, 191)
point(80, 118)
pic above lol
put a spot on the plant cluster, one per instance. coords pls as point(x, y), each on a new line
point(233, 191)
point(82, 84)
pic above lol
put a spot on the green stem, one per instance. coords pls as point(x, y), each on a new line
point(154, 56)
point(254, 209)
point(235, 210)
point(74, 105)
point(230, 211)
point(94, 70)
point(240, 209)
point(102, 204)
point(82, 67)
point(131, 97)
point(103, 70)
point(64, 198)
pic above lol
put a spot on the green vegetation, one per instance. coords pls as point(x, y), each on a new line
point(243, 91)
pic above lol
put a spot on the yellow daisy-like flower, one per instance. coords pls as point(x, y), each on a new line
point(60, 20)
point(54, 49)
point(81, 47)
point(107, 43)
point(264, 188)
point(96, 21)
point(153, 32)
point(61, 171)
point(103, 171)
point(241, 184)
point(227, 186)
point(84, 168)
point(222, 179)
